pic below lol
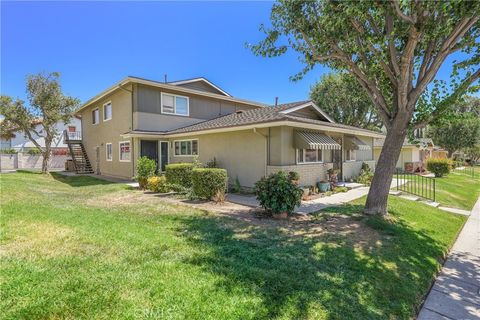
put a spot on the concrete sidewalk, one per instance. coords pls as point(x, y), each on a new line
point(455, 294)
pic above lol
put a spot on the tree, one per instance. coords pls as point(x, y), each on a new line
point(473, 153)
point(48, 106)
point(394, 49)
point(456, 134)
point(340, 96)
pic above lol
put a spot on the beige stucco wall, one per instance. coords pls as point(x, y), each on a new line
point(406, 155)
point(242, 153)
point(310, 174)
point(109, 132)
point(351, 169)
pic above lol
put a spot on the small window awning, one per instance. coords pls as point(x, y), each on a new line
point(353, 143)
point(314, 140)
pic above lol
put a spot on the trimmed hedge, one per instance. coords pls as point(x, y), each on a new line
point(439, 167)
point(179, 174)
point(209, 182)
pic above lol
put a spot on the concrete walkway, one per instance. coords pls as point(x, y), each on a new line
point(456, 292)
point(311, 206)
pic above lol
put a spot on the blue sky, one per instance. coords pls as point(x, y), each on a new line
point(95, 44)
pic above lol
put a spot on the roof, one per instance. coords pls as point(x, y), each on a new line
point(202, 79)
point(261, 116)
point(163, 85)
point(378, 143)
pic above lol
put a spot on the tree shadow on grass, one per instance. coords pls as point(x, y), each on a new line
point(325, 276)
point(79, 180)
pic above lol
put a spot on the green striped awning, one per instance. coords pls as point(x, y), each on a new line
point(353, 143)
point(314, 140)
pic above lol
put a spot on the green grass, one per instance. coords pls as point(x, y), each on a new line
point(79, 247)
point(458, 190)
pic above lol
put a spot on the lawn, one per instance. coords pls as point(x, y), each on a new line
point(458, 190)
point(79, 247)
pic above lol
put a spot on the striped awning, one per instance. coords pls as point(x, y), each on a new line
point(314, 140)
point(353, 143)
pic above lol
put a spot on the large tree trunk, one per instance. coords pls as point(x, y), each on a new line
point(385, 168)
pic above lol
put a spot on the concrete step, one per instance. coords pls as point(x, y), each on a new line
point(409, 197)
point(431, 203)
point(395, 192)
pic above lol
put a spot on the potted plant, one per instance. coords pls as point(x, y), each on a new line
point(278, 194)
point(323, 186)
point(332, 177)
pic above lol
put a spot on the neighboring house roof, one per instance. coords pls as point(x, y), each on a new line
point(163, 85)
point(241, 119)
point(200, 79)
point(378, 143)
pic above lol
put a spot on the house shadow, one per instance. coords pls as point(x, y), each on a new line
point(326, 276)
point(80, 180)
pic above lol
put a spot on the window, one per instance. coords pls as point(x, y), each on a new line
point(95, 116)
point(175, 104)
point(351, 155)
point(124, 151)
point(107, 111)
point(108, 151)
point(309, 155)
point(72, 128)
point(186, 147)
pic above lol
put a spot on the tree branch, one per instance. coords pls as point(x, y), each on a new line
point(391, 44)
point(400, 13)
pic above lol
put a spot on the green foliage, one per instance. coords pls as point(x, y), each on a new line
point(366, 175)
point(236, 187)
point(145, 169)
point(277, 193)
point(34, 151)
point(340, 189)
point(473, 153)
point(294, 175)
point(439, 167)
point(46, 102)
point(212, 163)
point(158, 184)
point(340, 96)
point(208, 183)
point(180, 174)
point(8, 151)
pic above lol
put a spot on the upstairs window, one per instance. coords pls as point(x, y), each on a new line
point(186, 147)
point(107, 111)
point(173, 104)
point(95, 116)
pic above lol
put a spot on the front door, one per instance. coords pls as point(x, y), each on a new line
point(149, 149)
point(163, 155)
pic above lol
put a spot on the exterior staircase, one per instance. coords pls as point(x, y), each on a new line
point(77, 150)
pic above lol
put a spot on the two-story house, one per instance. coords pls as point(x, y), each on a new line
point(177, 121)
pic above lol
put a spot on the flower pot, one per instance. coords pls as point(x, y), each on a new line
point(323, 186)
point(280, 215)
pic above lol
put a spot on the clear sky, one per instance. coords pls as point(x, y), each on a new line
point(95, 44)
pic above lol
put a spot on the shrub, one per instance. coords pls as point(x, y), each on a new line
point(366, 175)
point(145, 169)
point(34, 151)
point(158, 184)
point(8, 151)
point(212, 163)
point(439, 167)
point(278, 193)
point(340, 189)
point(236, 187)
point(208, 183)
point(180, 174)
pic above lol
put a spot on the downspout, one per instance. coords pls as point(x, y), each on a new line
point(266, 148)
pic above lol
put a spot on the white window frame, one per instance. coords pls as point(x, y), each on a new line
point(106, 151)
point(120, 151)
point(175, 104)
point(350, 152)
point(93, 117)
point(186, 155)
point(303, 160)
point(111, 111)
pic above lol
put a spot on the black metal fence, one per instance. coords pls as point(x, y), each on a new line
point(416, 184)
point(468, 170)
